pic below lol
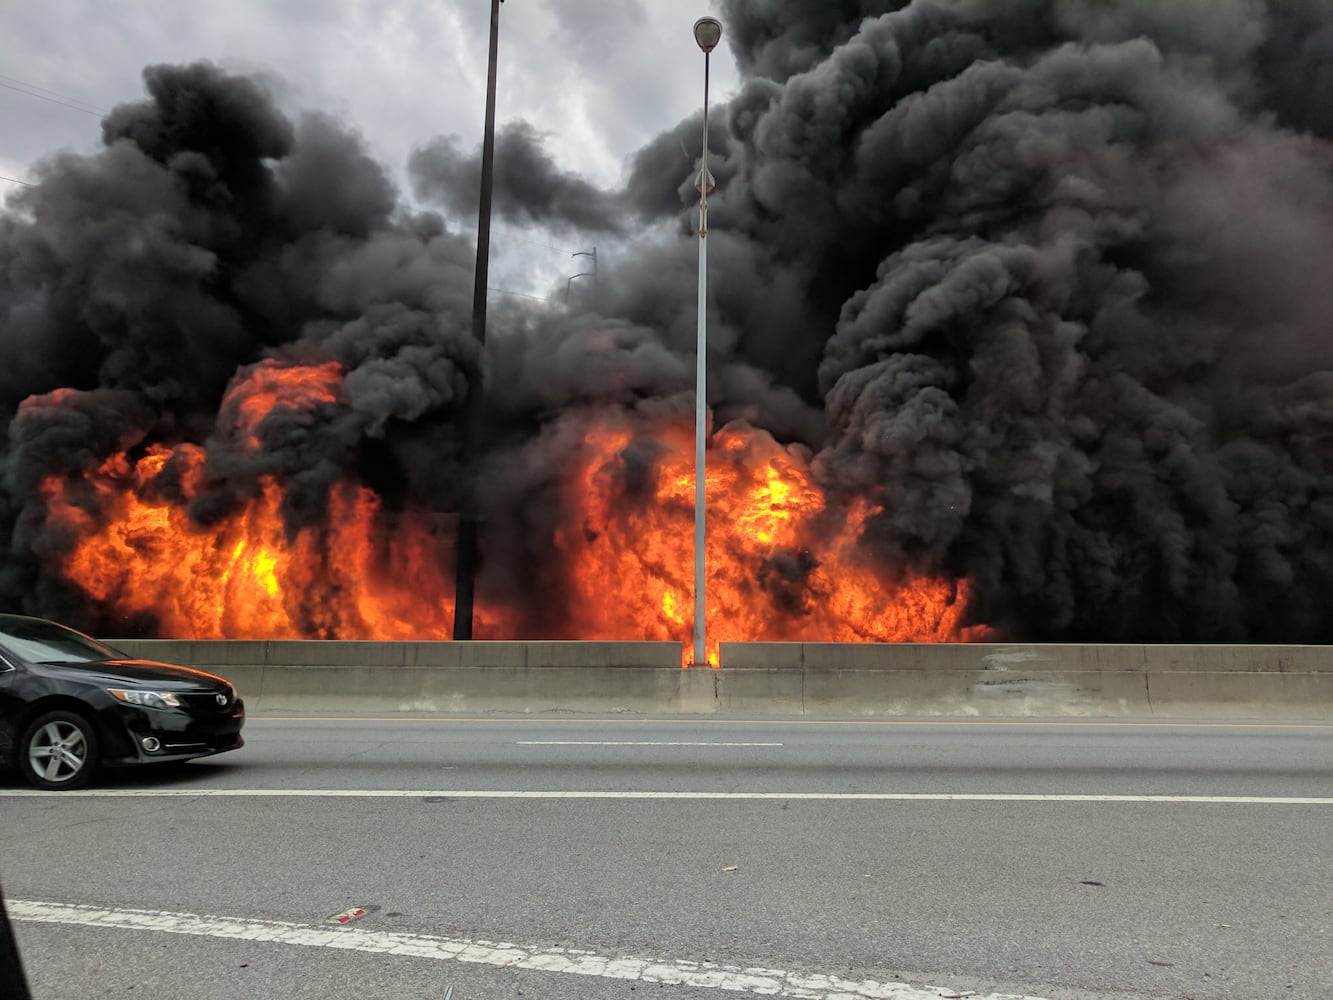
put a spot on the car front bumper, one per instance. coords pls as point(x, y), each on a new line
point(133, 735)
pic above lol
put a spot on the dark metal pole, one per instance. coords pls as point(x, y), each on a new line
point(465, 581)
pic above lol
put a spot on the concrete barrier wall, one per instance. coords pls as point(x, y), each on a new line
point(438, 676)
point(778, 679)
point(1036, 680)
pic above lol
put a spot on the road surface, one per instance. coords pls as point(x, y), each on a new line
point(578, 857)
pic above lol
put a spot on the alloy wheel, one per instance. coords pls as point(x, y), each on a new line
point(58, 751)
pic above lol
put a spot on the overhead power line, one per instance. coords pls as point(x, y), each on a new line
point(47, 90)
point(96, 113)
point(521, 295)
point(15, 180)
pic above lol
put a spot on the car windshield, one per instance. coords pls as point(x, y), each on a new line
point(46, 642)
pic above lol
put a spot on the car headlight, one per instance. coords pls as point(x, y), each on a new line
point(146, 699)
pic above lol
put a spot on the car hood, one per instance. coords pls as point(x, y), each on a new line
point(140, 673)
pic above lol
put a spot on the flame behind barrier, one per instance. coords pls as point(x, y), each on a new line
point(783, 563)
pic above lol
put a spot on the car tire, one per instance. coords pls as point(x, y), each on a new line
point(58, 751)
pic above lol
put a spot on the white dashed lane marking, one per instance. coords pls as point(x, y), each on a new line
point(632, 743)
point(566, 961)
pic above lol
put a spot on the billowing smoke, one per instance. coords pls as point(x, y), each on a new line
point(529, 186)
point(1045, 284)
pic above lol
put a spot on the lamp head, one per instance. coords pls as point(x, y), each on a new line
point(707, 32)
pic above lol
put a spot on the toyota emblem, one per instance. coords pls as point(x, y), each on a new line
point(221, 699)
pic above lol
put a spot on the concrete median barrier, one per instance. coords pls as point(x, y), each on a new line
point(354, 676)
point(965, 680)
point(1033, 680)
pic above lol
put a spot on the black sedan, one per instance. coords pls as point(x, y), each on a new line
point(70, 705)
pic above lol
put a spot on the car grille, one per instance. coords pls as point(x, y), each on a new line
point(205, 704)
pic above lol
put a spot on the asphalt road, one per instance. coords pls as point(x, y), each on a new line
point(574, 857)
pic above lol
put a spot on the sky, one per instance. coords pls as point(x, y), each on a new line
point(598, 79)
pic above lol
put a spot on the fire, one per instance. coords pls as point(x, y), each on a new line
point(360, 574)
point(780, 565)
point(271, 384)
point(358, 577)
point(783, 561)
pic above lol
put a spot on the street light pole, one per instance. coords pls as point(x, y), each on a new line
point(707, 33)
point(465, 578)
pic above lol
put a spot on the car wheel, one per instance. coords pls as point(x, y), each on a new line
point(58, 751)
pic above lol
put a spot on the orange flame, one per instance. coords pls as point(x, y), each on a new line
point(781, 563)
point(270, 385)
point(361, 576)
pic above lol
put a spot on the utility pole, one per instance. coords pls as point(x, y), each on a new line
point(584, 274)
point(473, 412)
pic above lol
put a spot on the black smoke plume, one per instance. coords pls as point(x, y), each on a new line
point(1046, 282)
point(529, 186)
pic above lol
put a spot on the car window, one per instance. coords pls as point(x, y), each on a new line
point(44, 642)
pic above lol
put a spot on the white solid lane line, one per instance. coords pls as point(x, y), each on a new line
point(939, 722)
point(475, 793)
point(576, 962)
